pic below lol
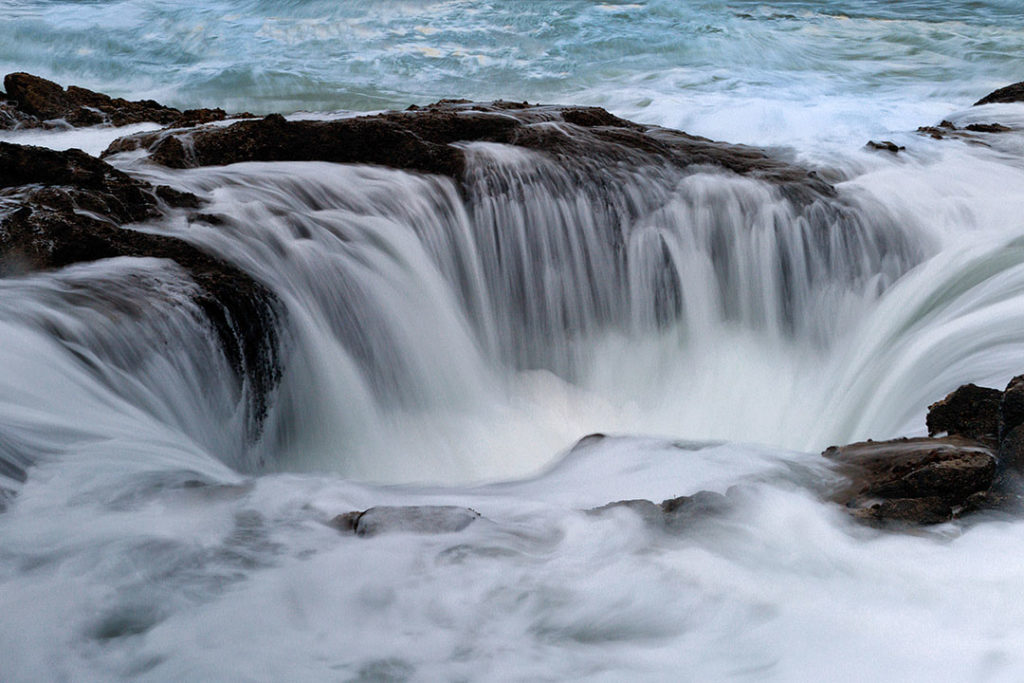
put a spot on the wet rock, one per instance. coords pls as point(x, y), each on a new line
point(1011, 93)
point(1011, 406)
point(651, 513)
point(967, 133)
point(933, 132)
point(912, 481)
point(685, 511)
point(1011, 450)
point(415, 519)
point(918, 511)
point(970, 411)
point(988, 128)
point(34, 100)
point(673, 515)
point(885, 146)
point(62, 208)
point(427, 139)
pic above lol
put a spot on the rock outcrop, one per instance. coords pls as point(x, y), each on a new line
point(971, 462)
point(1011, 93)
point(970, 411)
point(430, 139)
point(920, 481)
point(33, 102)
point(61, 208)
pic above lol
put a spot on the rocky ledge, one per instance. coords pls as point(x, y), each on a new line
point(34, 102)
point(971, 461)
point(431, 139)
point(63, 208)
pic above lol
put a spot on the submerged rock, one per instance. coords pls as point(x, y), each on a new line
point(414, 519)
point(885, 146)
point(674, 515)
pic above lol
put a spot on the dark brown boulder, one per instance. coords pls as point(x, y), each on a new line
point(1011, 450)
point(912, 481)
point(37, 100)
point(885, 146)
point(1011, 406)
point(1011, 93)
point(970, 411)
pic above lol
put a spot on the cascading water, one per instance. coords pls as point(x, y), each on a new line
point(418, 314)
point(446, 343)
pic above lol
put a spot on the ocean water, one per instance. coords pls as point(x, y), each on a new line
point(152, 539)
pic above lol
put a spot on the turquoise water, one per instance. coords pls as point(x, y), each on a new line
point(702, 57)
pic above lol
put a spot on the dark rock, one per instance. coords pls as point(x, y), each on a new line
point(423, 139)
point(68, 207)
point(912, 481)
point(32, 101)
point(885, 145)
point(415, 519)
point(932, 131)
point(1011, 93)
point(967, 133)
point(1011, 406)
point(685, 511)
point(970, 411)
point(988, 128)
point(1011, 450)
point(917, 511)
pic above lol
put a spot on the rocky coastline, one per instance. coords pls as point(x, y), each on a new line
point(63, 208)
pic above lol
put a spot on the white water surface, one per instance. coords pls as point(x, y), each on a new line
point(153, 541)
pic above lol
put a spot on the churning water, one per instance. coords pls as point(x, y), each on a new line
point(448, 348)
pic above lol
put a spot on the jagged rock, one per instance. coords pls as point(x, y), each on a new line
point(1011, 93)
point(967, 133)
point(415, 519)
point(61, 208)
point(970, 411)
point(987, 128)
point(36, 100)
point(913, 481)
point(424, 140)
